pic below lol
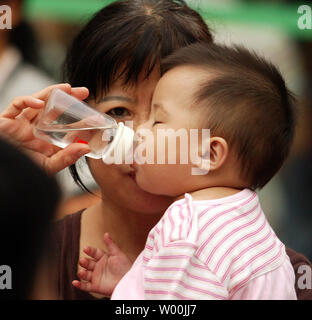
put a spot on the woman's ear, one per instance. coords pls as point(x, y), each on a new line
point(218, 152)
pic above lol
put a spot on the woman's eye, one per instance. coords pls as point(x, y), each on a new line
point(119, 112)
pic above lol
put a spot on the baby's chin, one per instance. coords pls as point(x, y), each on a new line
point(148, 186)
point(144, 200)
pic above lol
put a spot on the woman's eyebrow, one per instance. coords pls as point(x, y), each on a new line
point(113, 98)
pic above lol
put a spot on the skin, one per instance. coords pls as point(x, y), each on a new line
point(173, 108)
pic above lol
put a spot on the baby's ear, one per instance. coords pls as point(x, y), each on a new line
point(213, 157)
point(218, 152)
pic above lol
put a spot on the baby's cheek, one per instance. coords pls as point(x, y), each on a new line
point(148, 178)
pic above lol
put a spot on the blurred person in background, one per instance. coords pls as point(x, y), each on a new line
point(20, 74)
point(25, 224)
point(296, 176)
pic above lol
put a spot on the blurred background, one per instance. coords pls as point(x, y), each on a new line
point(32, 54)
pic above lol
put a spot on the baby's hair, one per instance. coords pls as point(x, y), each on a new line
point(246, 102)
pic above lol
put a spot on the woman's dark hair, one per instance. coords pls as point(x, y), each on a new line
point(29, 199)
point(127, 38)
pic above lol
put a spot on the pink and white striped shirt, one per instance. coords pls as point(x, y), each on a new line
point(211, 249)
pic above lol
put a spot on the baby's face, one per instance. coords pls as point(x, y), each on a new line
point(172, 108)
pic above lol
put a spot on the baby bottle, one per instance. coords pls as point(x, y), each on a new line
point(66, 120)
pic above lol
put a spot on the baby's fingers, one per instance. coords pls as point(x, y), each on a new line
point(85, 286)
point(95, 253)
point(87, 264)
point(85, 275)
point(112, 247)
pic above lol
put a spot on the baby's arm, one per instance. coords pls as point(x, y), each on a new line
point(102, 273)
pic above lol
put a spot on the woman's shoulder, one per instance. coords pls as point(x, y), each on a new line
point(302, 268)
point(65, 242)
point(64, 230)
point(68, 222)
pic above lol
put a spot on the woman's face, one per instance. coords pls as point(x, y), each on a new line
point(117, 182)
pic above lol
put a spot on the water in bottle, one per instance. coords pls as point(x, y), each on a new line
point(67, 120)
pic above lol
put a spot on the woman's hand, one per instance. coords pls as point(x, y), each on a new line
point(103, 271)
point(17, 123)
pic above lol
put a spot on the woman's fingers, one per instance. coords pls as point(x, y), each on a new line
point(44, 93)
point(28, 114)
point(46, 155)
point(80, 93)
point(16, 130)
point(95, 253)
point(37, 100)
point(40, 146)
point(18, 104)
point(66, 157)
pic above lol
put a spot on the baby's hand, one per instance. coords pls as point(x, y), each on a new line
point(102, 273)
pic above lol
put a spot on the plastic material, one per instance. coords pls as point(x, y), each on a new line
point(67, 120)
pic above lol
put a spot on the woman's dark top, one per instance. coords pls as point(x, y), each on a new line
point(66, 238)
point(66, 242)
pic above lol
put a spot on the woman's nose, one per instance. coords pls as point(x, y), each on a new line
point(143, 125)
point(141, 119)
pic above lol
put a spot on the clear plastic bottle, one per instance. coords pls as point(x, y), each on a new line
point(66, 120)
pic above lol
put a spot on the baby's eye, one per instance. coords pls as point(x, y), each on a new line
point(119, 112)
point(156, 122)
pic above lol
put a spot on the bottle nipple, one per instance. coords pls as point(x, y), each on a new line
point(117, 150)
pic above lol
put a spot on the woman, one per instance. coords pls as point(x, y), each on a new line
point(117, 57)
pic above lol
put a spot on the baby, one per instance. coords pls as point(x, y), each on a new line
point(214, 241)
